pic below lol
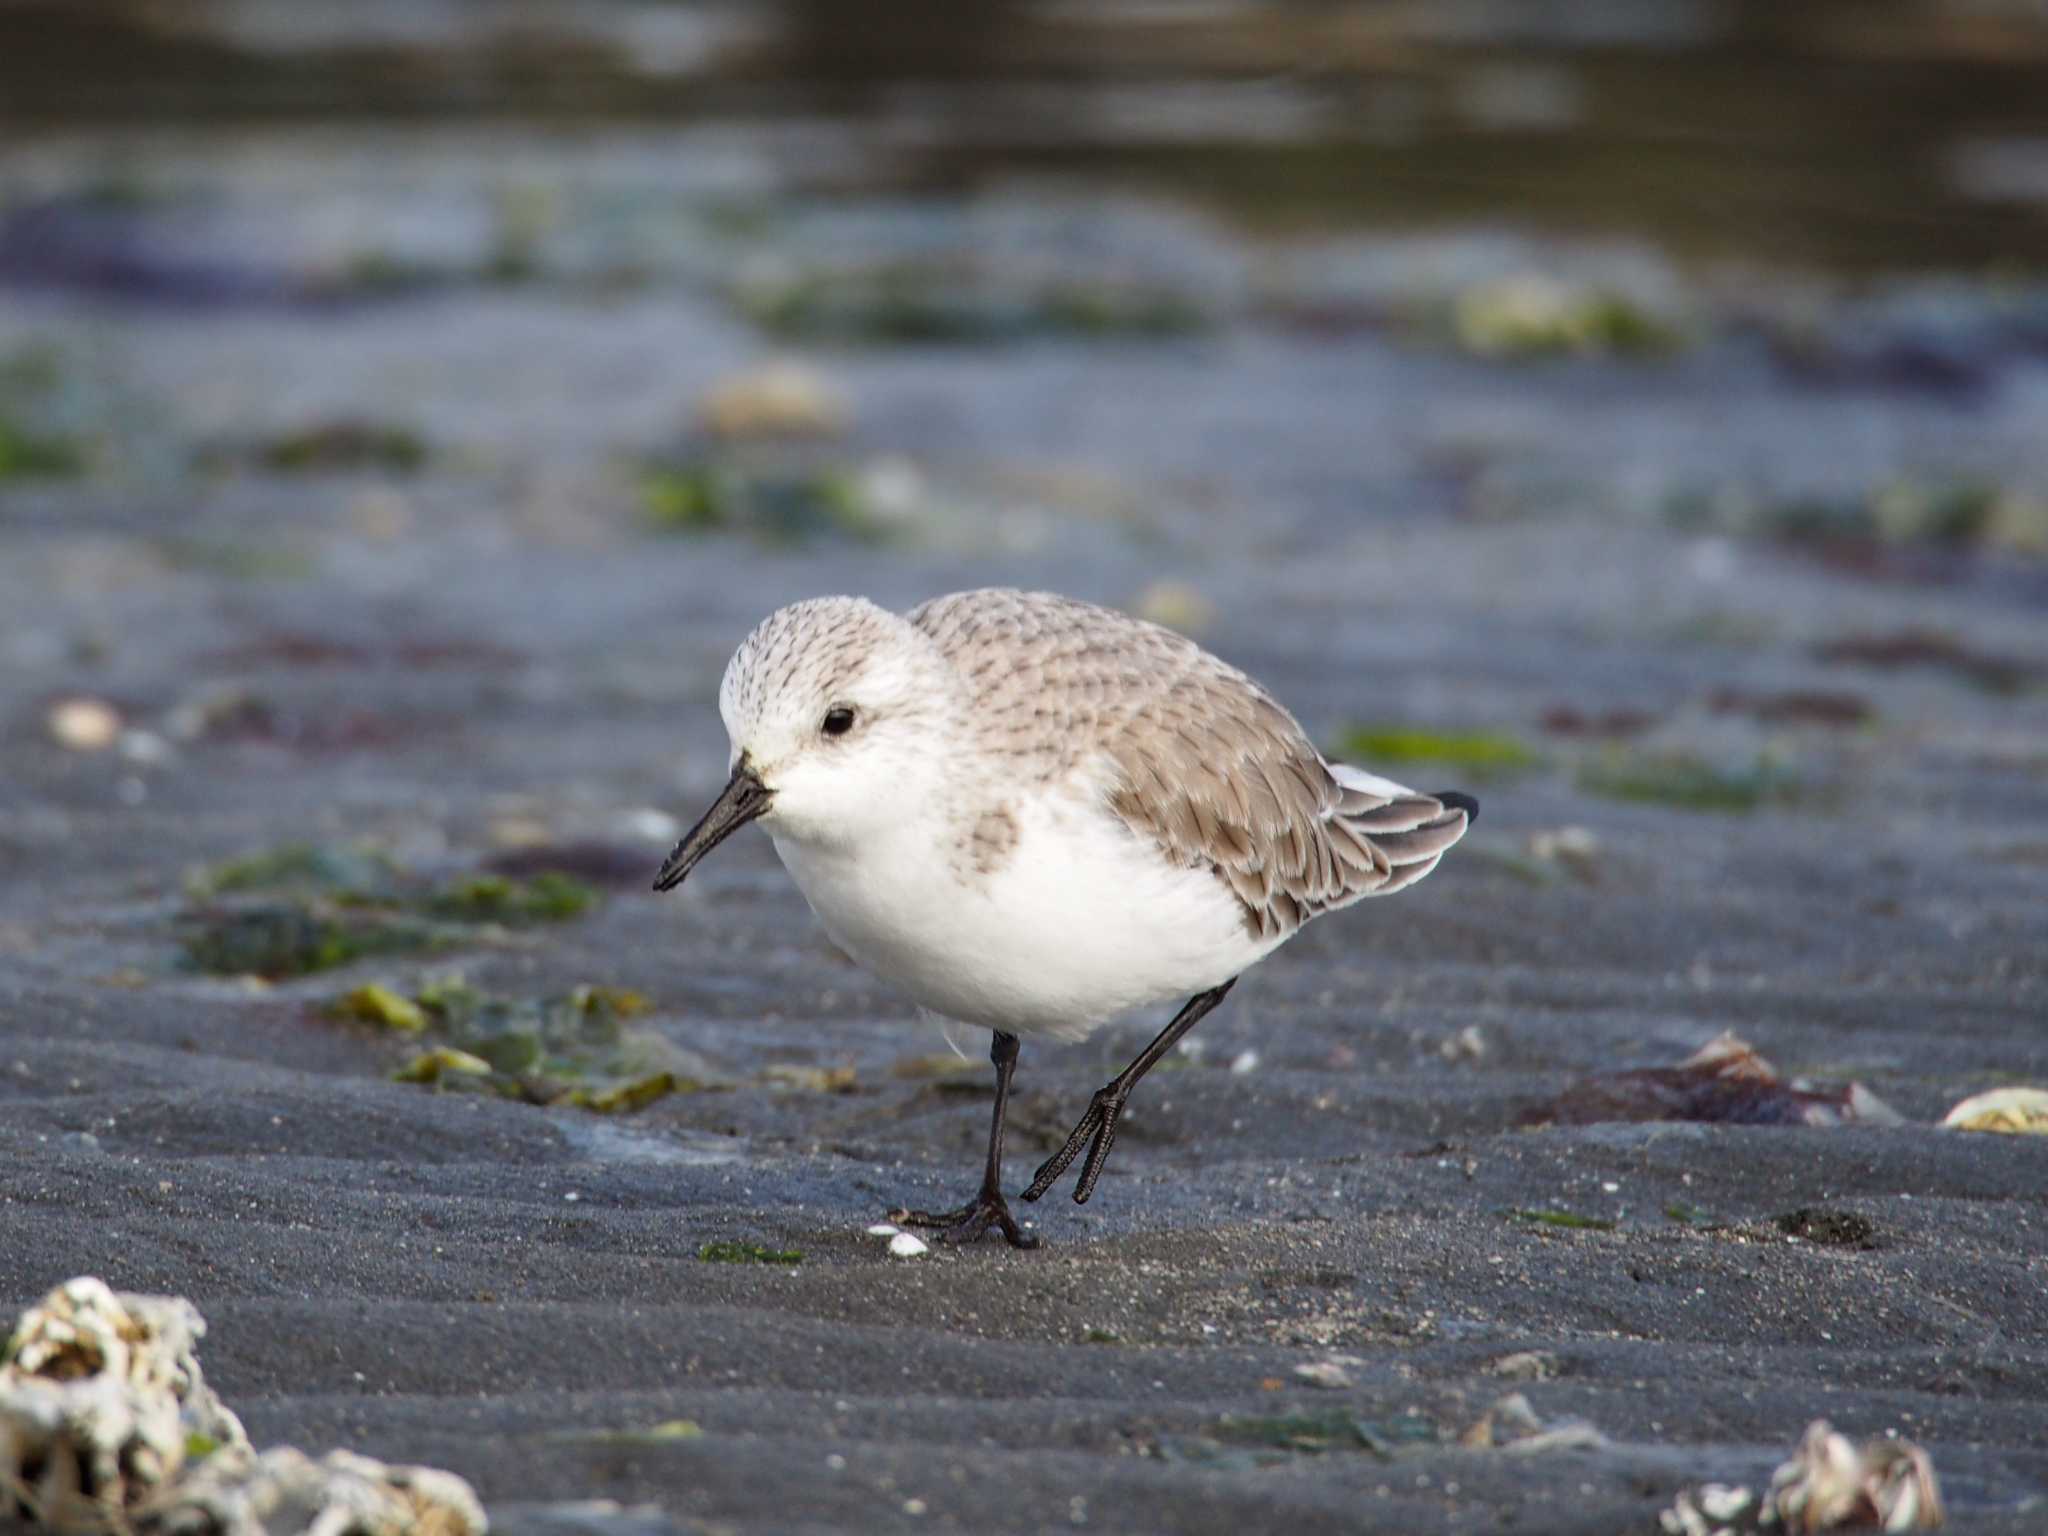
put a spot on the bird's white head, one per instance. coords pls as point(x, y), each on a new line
point(834, 708)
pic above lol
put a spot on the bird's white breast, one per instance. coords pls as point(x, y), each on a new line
point(1079, 921)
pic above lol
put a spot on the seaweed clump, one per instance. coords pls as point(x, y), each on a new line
point(302, 908)
point(578, 1050)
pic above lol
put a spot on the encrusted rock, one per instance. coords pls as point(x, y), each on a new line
point(284, 1492)
point(1828, 1484)
point(101, 1400)
point(107, 1428)
point(1831, 1482)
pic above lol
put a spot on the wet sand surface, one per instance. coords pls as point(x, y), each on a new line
point(1733, 777)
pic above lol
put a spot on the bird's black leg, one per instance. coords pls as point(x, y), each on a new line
point(1107, 1107)
point(988, 1208)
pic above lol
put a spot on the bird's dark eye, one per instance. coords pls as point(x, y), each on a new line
point(838, 720)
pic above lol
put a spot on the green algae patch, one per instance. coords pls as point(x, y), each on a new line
point(301, 908)
point(546, 898)
point(690, 498)
point(636, 1095)
point(673, 1429)
point(353, 871)
point(1480, 753)
point(618, 1002)
point(1529, 318)
point(1568, 1220)
point(374, 1004)
point(26, 454)
point(341, 446)
point(283, 940)
point(1959, 515)
point(747, 1253)
point(443, 1061)
point(1687, 782)
point(574, 1051)
point(31, 379)
point(929, 303)
point(779, 505)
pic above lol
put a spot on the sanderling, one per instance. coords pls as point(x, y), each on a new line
point(1033, 814)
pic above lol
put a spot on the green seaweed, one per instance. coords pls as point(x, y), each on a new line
point(572, 1050)
point(1953, 514)
point(1687, 782)
point(628, 1098)
point(1528, 318)
point(1570, 1220)
point(353, 870)
point(615, 1002)
point(341, 446)
point(1104, 310)
point(374, 1004)
point(689, 499)
point(442, 1061)
point(26, 454)
point(922, 302)
point(726, 1252)
point(1480, 753)
point(779, 506)
point(548, 897)
point(278, 941)
point(326, 905)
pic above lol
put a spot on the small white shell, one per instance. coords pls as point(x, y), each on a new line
point(2013, 1110)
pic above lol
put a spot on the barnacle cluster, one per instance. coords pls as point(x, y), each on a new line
point(107, 1428)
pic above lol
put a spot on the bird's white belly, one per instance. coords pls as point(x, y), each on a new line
point(1078, 923)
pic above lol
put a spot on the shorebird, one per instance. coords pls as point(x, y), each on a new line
point(1033, 815)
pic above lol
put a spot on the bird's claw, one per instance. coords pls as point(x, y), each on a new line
point(1100, 1122)
point(971, 1222)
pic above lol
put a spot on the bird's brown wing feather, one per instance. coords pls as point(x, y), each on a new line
point(1206, 764)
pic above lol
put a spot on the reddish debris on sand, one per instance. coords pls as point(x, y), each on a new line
point(1725, 1080)
point(1798, 707)
point(1569, 720)
point(1929, 648)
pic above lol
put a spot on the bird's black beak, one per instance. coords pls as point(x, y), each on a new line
point(743, 798)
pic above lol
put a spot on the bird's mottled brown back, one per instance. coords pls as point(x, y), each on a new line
point(1207, 764)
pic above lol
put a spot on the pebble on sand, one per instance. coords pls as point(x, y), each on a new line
point(83, 723)
point(776, 400)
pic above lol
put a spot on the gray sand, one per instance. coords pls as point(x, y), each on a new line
point(1388, 533)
